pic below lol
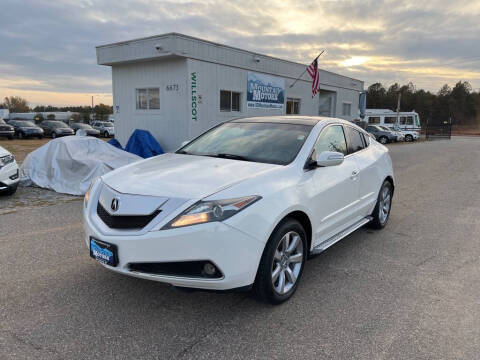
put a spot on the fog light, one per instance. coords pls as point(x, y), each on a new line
point(209, 269)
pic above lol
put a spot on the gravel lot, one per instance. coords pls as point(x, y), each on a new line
point(409, 291)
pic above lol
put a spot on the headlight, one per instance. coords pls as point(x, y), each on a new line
point(209, 211)
point(87, 194)
point(5, 160)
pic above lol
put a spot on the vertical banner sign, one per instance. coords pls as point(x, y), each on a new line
point(265, 91)
point(193, 85)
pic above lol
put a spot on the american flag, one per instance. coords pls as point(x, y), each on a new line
point(312, 69)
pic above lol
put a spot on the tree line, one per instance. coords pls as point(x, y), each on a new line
point(459, 104)
point(17, 104)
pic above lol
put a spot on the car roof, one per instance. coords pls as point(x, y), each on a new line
point(290, 119)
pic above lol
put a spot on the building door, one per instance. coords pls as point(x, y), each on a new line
point(326, 105)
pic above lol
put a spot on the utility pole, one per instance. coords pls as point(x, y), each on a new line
point(91, 112)
point(398, 107)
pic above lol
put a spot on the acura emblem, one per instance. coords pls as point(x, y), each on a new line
point(114, 204)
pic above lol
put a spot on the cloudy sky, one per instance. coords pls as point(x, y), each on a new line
point(48, 47)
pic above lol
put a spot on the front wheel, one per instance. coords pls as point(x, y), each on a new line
point(20, 135)
point(382, 208)
point(54, 135)
point(105, 134)
point(282, 263)
point(383, 140)
point(408, 138)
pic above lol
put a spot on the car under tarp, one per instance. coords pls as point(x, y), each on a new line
point(68, 165)
point(141, 143)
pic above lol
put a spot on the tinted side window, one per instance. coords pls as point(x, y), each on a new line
point(354, 140)
point(331, 139)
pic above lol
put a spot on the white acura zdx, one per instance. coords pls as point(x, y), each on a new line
point(242, 205)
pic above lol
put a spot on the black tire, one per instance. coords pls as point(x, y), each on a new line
point(10, 137)
point(21, 135)
point(378, 221)
point(10, 191)
point(53, 135)
point(264, 286)
point(105, 134)
point(408, 138)
point(40, 137)
point(383, 140)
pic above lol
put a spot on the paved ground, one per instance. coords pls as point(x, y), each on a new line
point(409, 291)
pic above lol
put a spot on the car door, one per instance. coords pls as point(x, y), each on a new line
point(360, 150)
point(46, 130)
point(335, 188)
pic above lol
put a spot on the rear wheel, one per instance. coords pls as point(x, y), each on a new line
point(105, 134)
point(382, 208)
point(282, 263)
point(54, 135)
point(383, 140)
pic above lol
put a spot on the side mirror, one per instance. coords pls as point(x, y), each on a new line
point(329, 158)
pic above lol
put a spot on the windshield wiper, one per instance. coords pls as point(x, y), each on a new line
point(183, 152)
point(230, 156)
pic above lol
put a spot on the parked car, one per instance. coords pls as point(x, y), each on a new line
point(6, 130)
point(9, 173)
point(399, 134)
point(383, 136)
point(410, 135)
point(55, 129)
point(241, 206)
point(90, 131)
point(26, 129)
point(106, 128)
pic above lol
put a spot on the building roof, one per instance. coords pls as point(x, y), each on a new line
point(175, 45)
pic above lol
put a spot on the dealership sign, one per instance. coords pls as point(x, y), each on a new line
point(265, 91)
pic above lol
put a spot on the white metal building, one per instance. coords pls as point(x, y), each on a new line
point(177, 86)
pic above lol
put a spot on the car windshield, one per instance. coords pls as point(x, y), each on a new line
point(273, 143)
point(385, 128)
point(24, 123)
point(82, 126)
point(57, 124)
point(108, 124)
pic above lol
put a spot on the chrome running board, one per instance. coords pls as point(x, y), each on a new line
point(335, 238)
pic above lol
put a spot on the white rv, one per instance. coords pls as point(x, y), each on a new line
point(405, 120)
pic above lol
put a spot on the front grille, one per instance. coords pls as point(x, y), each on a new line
point(125, 221)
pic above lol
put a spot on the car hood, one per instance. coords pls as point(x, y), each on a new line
point(183, 176)
point(4, 152)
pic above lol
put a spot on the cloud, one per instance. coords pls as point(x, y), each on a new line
point(49, 46)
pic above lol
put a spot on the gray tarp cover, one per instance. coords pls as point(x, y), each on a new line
point(68, 164)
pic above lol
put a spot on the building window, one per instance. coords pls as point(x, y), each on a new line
point(293, 106)
point(229, 101)
point(148, 99)
point(374, 120)
point(346, 109)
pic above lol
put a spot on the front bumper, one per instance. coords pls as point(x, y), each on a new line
point(9, 176)
point(7, 133)
point(235, 253)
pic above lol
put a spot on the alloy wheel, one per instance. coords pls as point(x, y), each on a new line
point(287, 262)
point(385, 203)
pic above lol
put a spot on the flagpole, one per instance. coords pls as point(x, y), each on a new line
point(305, 70)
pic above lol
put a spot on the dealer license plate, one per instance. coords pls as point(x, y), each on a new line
point(104, 252)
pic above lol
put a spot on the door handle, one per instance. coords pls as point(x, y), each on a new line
point(354, 174)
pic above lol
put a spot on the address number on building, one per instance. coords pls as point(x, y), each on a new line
point(172, 87)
